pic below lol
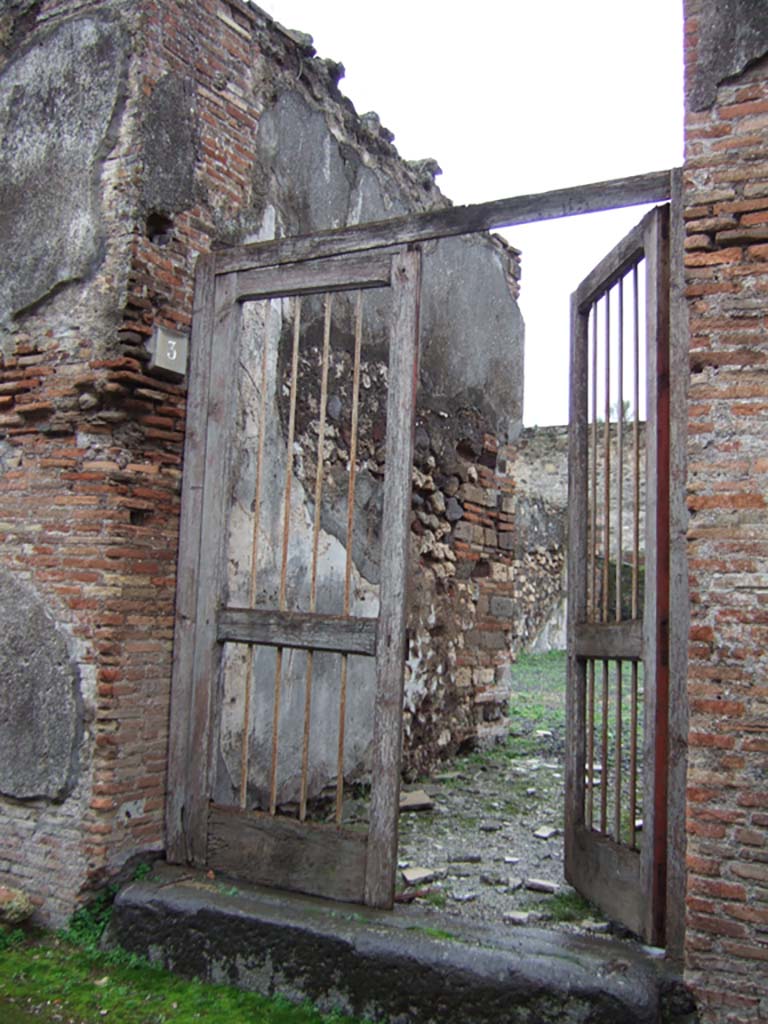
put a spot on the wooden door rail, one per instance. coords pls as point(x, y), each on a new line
point(310, 631)
point(609, 640)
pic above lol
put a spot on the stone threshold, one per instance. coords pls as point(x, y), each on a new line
point(390, 966)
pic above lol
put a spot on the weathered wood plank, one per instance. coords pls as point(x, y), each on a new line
point(609, 639)
point(333, 275)
point(612, 266)
point(310, 631)
point(609, 876)
point(320, 860)
point(390, 647)
point(221, 414)
point(575, 743)
point(201, 344)
point(459, 220)
point(679, 595)
point(656, 612)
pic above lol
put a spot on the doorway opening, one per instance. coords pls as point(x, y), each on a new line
point(262, 830)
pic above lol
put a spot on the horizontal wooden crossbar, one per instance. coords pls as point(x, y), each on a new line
point(654, 187)
point(321, 860)
point(372, 271)
point(610, 640)
point(345, 634)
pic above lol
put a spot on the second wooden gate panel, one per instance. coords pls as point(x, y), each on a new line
point(619, 582)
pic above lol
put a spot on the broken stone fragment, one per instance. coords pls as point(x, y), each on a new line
point(518, 917)
point(417, 876)
point(416, 800)
point(453, 510)
point(463, 897)
point(465, 858)
point(490, 879)
point(545, 832)
point(541, 885)
point(15, 906)
point(437, 501)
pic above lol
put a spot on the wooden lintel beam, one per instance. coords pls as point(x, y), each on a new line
point(457, 220)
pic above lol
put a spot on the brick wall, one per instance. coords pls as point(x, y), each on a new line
point(726, 212)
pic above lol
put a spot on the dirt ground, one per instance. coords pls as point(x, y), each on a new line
point(490, 848)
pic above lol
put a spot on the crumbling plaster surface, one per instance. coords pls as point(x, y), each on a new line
point(471, 326)
point(60, 100)
point(732, 35)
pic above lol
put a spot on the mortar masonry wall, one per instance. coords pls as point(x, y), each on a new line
point(726, 213)
point(91, 449)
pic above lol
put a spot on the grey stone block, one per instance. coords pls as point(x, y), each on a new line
point(502, 607)
point(40, 704)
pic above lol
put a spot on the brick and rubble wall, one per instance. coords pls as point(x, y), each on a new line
point(726, 215)
point(176, 127)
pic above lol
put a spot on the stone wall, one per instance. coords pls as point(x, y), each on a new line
point(538, 465)
point(135, 137)
point(726, 211)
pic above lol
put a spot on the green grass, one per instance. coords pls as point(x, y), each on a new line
point(537, 703)
point(568, 906)
point(436, 933)
point(436, 898)
point(68, 978)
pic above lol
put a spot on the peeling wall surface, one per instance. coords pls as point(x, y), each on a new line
point(59, 97)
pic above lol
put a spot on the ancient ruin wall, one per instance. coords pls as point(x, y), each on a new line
point(170, 127)
point(726, 211)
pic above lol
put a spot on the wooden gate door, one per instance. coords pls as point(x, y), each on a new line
point(283, 649)
point(618, 582)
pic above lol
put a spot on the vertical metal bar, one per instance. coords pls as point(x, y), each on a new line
point(350, 532)
point(592, 607)
point(620, 456)
point(633, 759)
point(618, 752)
point(636, 445)
point(284, 556)
point(315, 547)
point(604, 754)
point(244, 742)
point(607, 464)
point(590, 743)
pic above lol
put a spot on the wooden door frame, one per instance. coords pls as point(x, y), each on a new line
point(658, 186)
point(203, 623)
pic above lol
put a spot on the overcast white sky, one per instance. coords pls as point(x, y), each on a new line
point(512, 97)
